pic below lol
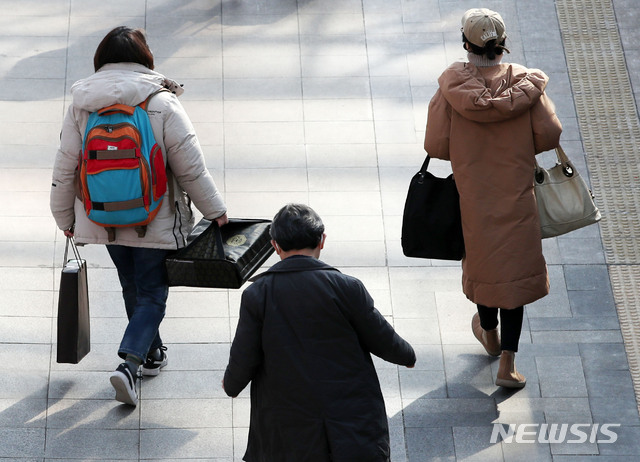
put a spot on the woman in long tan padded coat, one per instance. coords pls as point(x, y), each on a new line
point(490, 119)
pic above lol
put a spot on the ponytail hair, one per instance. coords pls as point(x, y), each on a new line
point(491, 49)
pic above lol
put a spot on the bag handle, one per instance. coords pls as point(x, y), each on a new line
point(563, 159)
point(73, 247)
point(219, 243)
point(425, 164)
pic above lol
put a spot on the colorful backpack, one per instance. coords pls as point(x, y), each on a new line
point(122, 171)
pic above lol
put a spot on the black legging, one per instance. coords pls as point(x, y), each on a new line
point(510, 324)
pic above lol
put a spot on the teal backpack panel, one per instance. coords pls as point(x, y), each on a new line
point(122, 171)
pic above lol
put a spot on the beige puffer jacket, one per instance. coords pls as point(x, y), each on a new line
point(131, 84)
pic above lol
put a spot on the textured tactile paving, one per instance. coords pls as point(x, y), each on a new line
point(610, 130)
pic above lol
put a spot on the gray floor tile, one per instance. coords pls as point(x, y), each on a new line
point(349, 253)
point(261, 66)
point(240, 438)
point(429, 357)
point(197, 356)
point(183, 385)
point(23, 412)
point(22, 442)
point(267, 132)
point(581, 251)
point(190, 330)
point(586, 277)
point(270, 180)
point(583, 323)
point(432, 444)
point(197, 442)
point(344, 45)
point(418, 331)
point(597, 458)
point(19, 329)
point(416, 384)
point(561, 377)
point(187, 413)
point(73, 443)
point(586, 336)
point(626, 444)
point(262, 89)
point(102, 357)
point(608, 383)
point(24, 384)
point(426, 413)
point(336, 87)
point(604, 357)
point(514, 452)
point(84, 385)
point(474, 444)
point(556, 304)
point(614, 409)
point(24, 357)
point(331, 24)
point(398, 444)
point(389, 383)
point(91, 414)
point(592, 303)
point(320, 66)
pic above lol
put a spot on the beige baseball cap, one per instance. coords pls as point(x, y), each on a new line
point(480, 25)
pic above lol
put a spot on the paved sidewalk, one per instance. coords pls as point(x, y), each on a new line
point(316, 101)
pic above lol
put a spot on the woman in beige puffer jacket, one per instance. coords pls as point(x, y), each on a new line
point(490, 119)
point(124, 75)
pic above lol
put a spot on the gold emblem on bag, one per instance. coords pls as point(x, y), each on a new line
point(237, 240)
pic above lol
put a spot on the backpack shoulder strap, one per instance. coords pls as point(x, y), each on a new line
point(143, 105)
point(117, 108)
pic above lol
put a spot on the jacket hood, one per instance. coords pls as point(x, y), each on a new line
point(470, 94)
point(119, 83)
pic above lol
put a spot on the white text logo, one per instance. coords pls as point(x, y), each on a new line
point(555, 433)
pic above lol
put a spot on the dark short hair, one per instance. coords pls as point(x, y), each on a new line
point(123, 45)
point(297, 227)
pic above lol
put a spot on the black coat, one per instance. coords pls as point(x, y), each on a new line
point(304, 340)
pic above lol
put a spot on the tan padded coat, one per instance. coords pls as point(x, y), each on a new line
point(490, 122)
point(131, 84)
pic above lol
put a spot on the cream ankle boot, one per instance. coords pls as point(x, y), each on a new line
point(489, 339)
point(508, 376)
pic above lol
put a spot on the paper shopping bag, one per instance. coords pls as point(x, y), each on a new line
point(74, 340)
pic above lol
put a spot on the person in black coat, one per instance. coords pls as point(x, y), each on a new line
point(304, 340)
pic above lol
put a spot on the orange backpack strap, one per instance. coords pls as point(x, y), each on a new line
point(145, 103)
point(117, 108)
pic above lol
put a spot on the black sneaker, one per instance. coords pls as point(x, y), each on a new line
point(124, 381)
point(155, 361)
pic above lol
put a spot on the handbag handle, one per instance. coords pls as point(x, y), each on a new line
point(423, 169)
point(219, 243)
point(73, 247)
point(425, 164)
point(563, 160)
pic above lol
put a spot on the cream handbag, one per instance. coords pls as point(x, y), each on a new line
point(565, 203)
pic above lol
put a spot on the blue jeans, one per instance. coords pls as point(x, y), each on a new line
point(145, 290)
